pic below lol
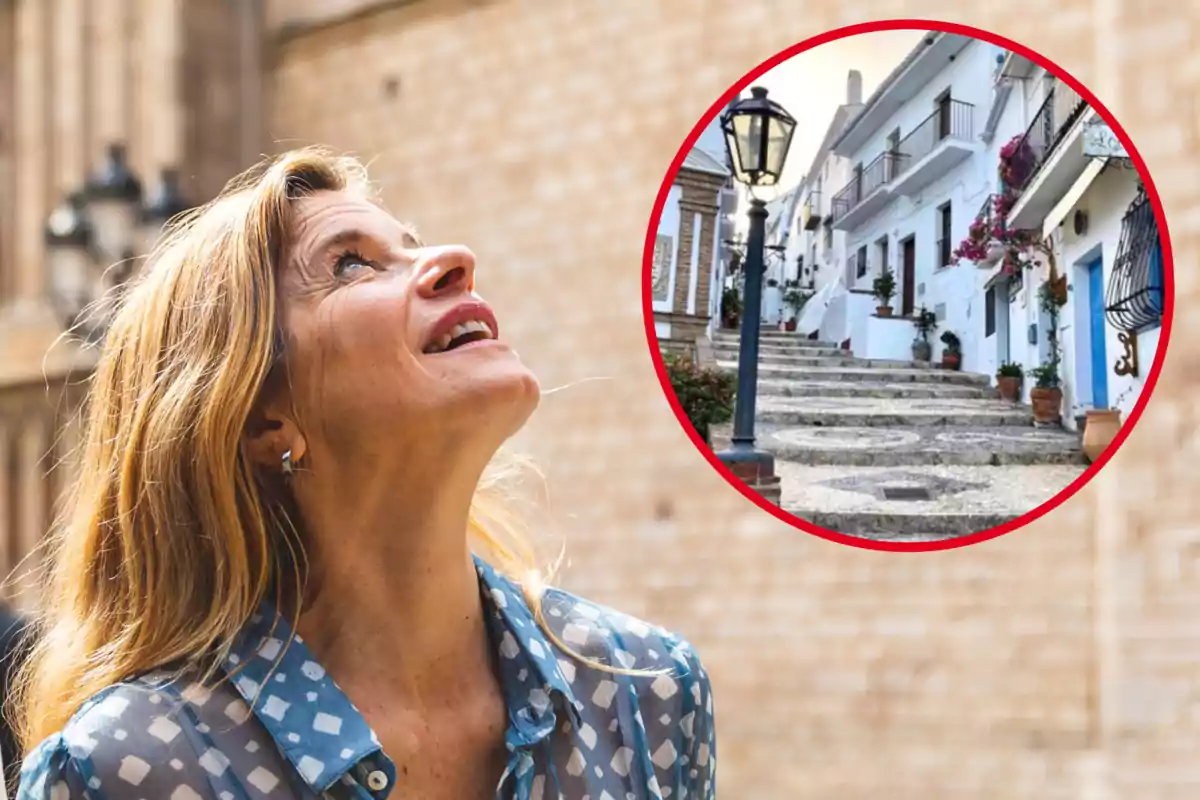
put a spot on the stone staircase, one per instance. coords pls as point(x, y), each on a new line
point(896, 450)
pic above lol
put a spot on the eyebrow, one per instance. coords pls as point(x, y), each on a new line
point(351, 235)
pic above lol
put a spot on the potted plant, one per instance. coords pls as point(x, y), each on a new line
point(952, 354)
point(925, 321)
point(731, 307)
point(1008, 380)
point(884, 289)
point(794, 299)
point(1046, 395)
point(706, 394)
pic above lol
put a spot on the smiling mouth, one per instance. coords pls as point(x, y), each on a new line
point(474, 330)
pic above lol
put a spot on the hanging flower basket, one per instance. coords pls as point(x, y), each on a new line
point(1016, 162)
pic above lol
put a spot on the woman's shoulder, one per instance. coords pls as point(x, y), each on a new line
point(613, 637)
point(156, 735)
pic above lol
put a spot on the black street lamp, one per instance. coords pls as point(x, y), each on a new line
point(104, 225)
point(758, 133)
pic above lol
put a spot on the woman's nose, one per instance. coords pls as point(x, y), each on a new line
point(446, 270)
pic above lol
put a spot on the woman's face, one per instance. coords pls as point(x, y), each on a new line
point(388, 345)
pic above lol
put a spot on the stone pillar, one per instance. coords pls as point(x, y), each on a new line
point(33, 92)
point(109, 76)
point(8, 50)
point(69, 161)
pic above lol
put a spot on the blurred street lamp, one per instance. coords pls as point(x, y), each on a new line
point(94, 235)
point(758, 133)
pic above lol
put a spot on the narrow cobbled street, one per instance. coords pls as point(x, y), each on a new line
point(896, 450)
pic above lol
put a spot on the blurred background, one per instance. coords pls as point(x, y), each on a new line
point(1061, 661)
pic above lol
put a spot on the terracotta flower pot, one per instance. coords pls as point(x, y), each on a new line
point(1099, 431)
point(790, 325)
point(1047, 405)
point(951, 360)
point(883, 311)
point(1010, 387)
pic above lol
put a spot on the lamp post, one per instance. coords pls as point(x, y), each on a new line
point(758, 133)
point(103, 225)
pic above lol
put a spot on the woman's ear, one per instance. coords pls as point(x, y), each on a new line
point(268, 436)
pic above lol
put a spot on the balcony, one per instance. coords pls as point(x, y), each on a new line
point(1049, 157)
point(867, 193)
point(944, 139)
point(811, 212)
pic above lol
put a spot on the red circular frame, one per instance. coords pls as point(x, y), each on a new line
point(1168, 287)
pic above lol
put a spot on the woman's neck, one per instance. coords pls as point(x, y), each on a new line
point(396, 596)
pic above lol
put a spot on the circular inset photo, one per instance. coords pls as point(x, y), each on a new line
point(908, 288)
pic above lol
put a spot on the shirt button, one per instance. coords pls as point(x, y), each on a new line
point(377, 781)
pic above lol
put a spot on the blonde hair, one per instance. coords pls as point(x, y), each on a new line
point(167, 543)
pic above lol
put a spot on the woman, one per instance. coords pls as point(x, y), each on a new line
point(266, 585)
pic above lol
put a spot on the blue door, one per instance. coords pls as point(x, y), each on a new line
point(1096, 317)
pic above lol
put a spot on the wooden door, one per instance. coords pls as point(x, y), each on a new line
point(907, 296)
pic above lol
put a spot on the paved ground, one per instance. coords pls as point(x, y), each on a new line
point(898, 450)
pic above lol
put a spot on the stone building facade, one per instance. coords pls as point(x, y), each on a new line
point(1056, 662)
point(686, 252)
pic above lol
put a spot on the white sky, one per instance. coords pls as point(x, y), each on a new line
point(812, 85)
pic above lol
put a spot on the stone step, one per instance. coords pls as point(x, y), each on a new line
point(867, 412)
point(881, 390)
point(866, 374)
point(879, 503)
point(920, 446)
point(902, 527)
point(777, 338)
point(730, 351)
point(837, 360)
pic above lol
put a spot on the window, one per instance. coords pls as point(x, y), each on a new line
point(989, 312)
point(943, 112)
point(1134, 295)
point(861, 268)
point(828, 236)
point(944, 228)
point(1157, 284)
point(883, 253)
point(893, 141)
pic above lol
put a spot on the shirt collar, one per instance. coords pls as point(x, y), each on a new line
point(323, 735)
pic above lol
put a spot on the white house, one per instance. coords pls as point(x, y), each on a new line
point(1069, 182)
point(919, 174)
point(816, 252)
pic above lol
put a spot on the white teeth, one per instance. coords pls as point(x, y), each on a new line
point(470, 326)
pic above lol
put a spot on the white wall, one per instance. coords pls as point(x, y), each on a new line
point(888, 338)
point(955, 293)
point(969, 79)
point(1105, 202)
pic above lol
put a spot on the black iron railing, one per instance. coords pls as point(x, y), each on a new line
point(954, 120)
point(1134, 296)
point(879, 172)
point(813, 208)
point(1058, 112)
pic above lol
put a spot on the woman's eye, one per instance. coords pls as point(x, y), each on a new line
point(348, 262)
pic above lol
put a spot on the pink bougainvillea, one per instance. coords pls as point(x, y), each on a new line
point(991, 226)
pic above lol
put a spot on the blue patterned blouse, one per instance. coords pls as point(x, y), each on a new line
point(283, 729)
